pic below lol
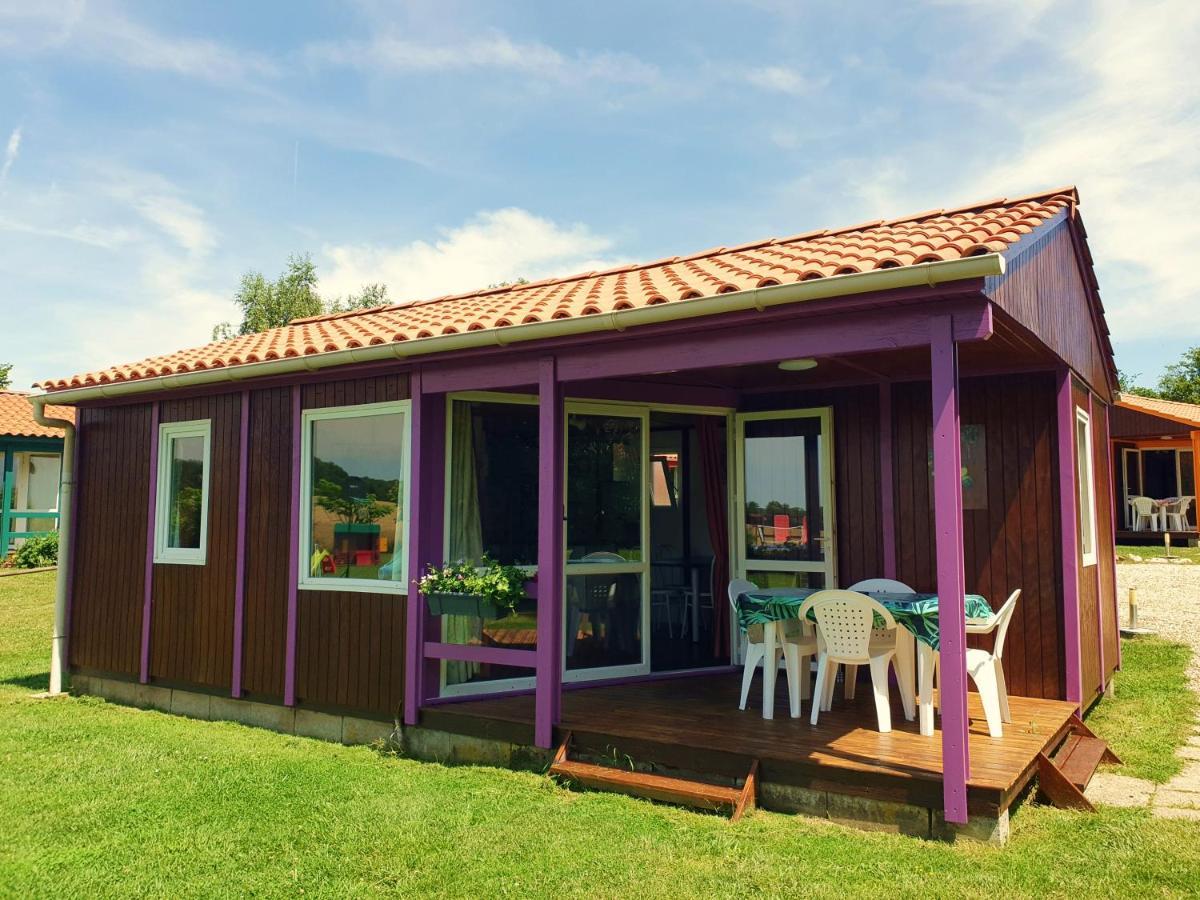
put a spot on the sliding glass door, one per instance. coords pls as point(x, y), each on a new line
point(606, 614)
point(785, 532)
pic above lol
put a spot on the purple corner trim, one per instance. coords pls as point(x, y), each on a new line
point(148, 582)
point(951, 578)
point(1070, 537)
point(239, 587)
point(289, 663)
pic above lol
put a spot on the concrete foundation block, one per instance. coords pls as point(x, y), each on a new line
point(870, 814)
point(117, 691)
point(227, 709)
point(82, 684)
point(151, 696)
point(365, 731)
point(787, 798)
point(268, 715)
point(322, 726)
point(189, 703)
point(985, 829)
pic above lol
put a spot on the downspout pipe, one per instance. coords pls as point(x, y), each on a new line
point(58, 647)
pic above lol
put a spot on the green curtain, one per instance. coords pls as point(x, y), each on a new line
point(466, 538)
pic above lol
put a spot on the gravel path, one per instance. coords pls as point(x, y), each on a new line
point(1168, 601)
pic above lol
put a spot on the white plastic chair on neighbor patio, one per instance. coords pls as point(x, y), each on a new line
point(903, 638)
point(797, 645)
point(845, 622)
point(1175, 514)
point(1143, 511)
point(987, 670)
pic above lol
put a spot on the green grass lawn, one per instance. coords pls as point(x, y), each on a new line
point(1151, 551)
point(101, 800)
point(1153, 712)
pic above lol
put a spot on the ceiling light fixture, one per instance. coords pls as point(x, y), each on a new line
point(798, 365)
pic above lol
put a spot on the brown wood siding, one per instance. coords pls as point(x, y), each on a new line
point(1011, 544)
point(110, 545)
point(268, 499)
point(1133, 423)
point(191, 624)
point(350, 645)
point(1089, 588)
point(1105, 541)
point(1044, 291)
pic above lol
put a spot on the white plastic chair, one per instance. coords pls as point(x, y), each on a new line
point(796, 645)
point(987, 670)
point(878, 635)
point(1143, 511)
point(1175, 514)
point(845, 621)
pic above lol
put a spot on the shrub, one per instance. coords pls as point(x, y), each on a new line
point(37, 552)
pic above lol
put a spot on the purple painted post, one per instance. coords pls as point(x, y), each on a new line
point(1112, 517)
point(414, 643)
point(951, 578)
point(1096, 566)
point(239, 586)
point(550, 553)
point(148, 582)
point(289, 660)
point(1070, 537)
point(887, 512)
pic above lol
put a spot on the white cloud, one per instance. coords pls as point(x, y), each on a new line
point(11, 149)
point(103, 34)
point(494, 246)
point(784, 80)
point(385, 53)
point(160, 203)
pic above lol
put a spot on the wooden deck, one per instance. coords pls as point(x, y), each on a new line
point(1178, 538)
point(692, 724)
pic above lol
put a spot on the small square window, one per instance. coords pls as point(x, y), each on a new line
point(181, 508)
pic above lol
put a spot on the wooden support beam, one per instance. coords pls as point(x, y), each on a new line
point(550, 553)
point(1070, 539)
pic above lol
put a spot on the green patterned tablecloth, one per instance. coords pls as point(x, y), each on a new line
point(916, 612)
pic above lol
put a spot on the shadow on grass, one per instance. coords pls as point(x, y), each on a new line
point(38, 682)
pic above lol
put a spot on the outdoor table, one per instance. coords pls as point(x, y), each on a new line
point(915, 614)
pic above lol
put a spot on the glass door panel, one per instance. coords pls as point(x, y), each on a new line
point(785, 494)
point(606, 610)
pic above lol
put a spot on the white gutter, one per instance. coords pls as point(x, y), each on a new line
point(58, 648)
point(921, 275)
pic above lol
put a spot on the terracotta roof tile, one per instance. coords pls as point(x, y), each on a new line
point(1185, 413)
point(16, 417)
point(932, 235)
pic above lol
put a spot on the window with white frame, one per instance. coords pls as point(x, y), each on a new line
point(353, 489)
point(1085, 480)
point(181, 510)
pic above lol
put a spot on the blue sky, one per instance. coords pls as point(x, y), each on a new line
point(154, 152)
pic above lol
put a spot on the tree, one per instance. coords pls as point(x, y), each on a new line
point(5, 375)
point(1181, 381)
point(295, 294)
point(1127, 384)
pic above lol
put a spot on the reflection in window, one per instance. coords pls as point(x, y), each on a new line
point(603, 620)
point(782, 504)
point(493, 482)
point(181, 513)
point(604, 486)
point(355, 461)
point(1085, 481)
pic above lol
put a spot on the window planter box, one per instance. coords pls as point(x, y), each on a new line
point(463, 605)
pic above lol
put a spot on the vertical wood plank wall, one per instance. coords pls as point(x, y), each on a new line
point(191, 622)
point(350, 645)
point(1013, 543)
point(1105, 538)
point(1089, 587)
point(113, 490)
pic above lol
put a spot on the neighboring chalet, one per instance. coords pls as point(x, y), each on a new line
point(1156, 444)
point(30, 467)
point(924, 399)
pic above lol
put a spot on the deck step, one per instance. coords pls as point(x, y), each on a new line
point(1065, 775)
point(663, 788)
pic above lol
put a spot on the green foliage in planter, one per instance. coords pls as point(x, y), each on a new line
point(503, 586)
